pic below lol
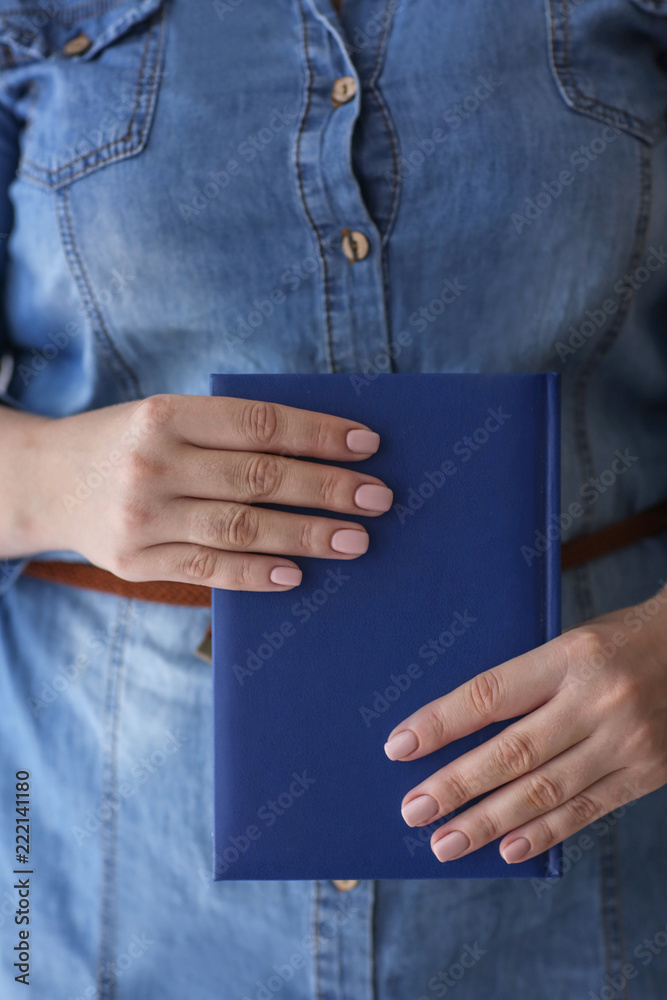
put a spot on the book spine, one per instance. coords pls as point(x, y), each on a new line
point(552, 582)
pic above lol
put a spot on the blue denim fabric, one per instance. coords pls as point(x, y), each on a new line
point(180, 195)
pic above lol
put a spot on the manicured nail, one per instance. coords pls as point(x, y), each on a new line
point(371, 497)
point(451, 845)
point(362, 441)
point(288, 576)
point(350, 540)
point(516, 850)
point(419, 810)
point(401, 745)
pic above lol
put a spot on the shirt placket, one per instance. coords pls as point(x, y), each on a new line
point(349, 243)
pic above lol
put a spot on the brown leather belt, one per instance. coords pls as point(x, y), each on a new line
point(575, 553)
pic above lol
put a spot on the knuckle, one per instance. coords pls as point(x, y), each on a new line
point(515, 754)
point(243, 574)
point(584, 808)
point(153, 412)
point(543, 793)
point(131, 518)
point(458, 790)
point(305, 536)
point(139, 468)
point(488, 826)
point(240, 528)
point(260, 422)
point(544, 834)
point(199, 564)
point(484, 694)
point(585, 643)
point(328, 485)
point(434, 724)
point(122, 564)
point(321, 435)
point(262, 476)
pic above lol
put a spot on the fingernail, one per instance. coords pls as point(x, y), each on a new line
point(451, 845)
point(419, 810)
point(516, 850)
point(350, 540)
point(401, 745)
point(362, 441)
point(371, 497)
point(288, 576)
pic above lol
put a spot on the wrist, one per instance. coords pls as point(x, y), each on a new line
point(26, 501)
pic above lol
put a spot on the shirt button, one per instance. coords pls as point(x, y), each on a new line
point(80, 43)
point(343, 90)
point(355, 245)
point(345, 884)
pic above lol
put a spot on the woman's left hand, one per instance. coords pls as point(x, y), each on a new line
point(593, 737)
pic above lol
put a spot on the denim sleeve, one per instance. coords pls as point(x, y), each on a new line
point(10, 569)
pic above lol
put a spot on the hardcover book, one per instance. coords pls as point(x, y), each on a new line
point(309, 682)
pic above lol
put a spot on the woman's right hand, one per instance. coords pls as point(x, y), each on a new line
point(162, 488)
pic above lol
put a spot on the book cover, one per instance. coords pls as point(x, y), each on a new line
point(309, 682)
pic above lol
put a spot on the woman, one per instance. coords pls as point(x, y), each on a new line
point(398, 185)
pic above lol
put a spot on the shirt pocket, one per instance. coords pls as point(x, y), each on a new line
point(83, 78)
point(609, 60)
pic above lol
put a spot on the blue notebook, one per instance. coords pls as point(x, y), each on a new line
point(309, 682)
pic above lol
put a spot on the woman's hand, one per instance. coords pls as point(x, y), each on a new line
point(593, 737)
point(160, 489)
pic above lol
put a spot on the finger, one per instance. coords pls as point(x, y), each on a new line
point(515, 687)
point(536, 798)
point(255, 477)
point(517, 750)
point(210, 568)
point(238, 527)
point(588, 805)
point(227, 422)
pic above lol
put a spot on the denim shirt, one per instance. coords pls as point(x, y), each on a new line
point(248, 186)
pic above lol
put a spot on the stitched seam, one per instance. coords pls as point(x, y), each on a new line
point(320, 245)
point(316, 935)
point(88, 299)
point(583, 581)
point(563, 68)
point(388, 124)
point(108, 832)
point(126, 138)
point(610, 908)
point(582, 382)
point(393, 211)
